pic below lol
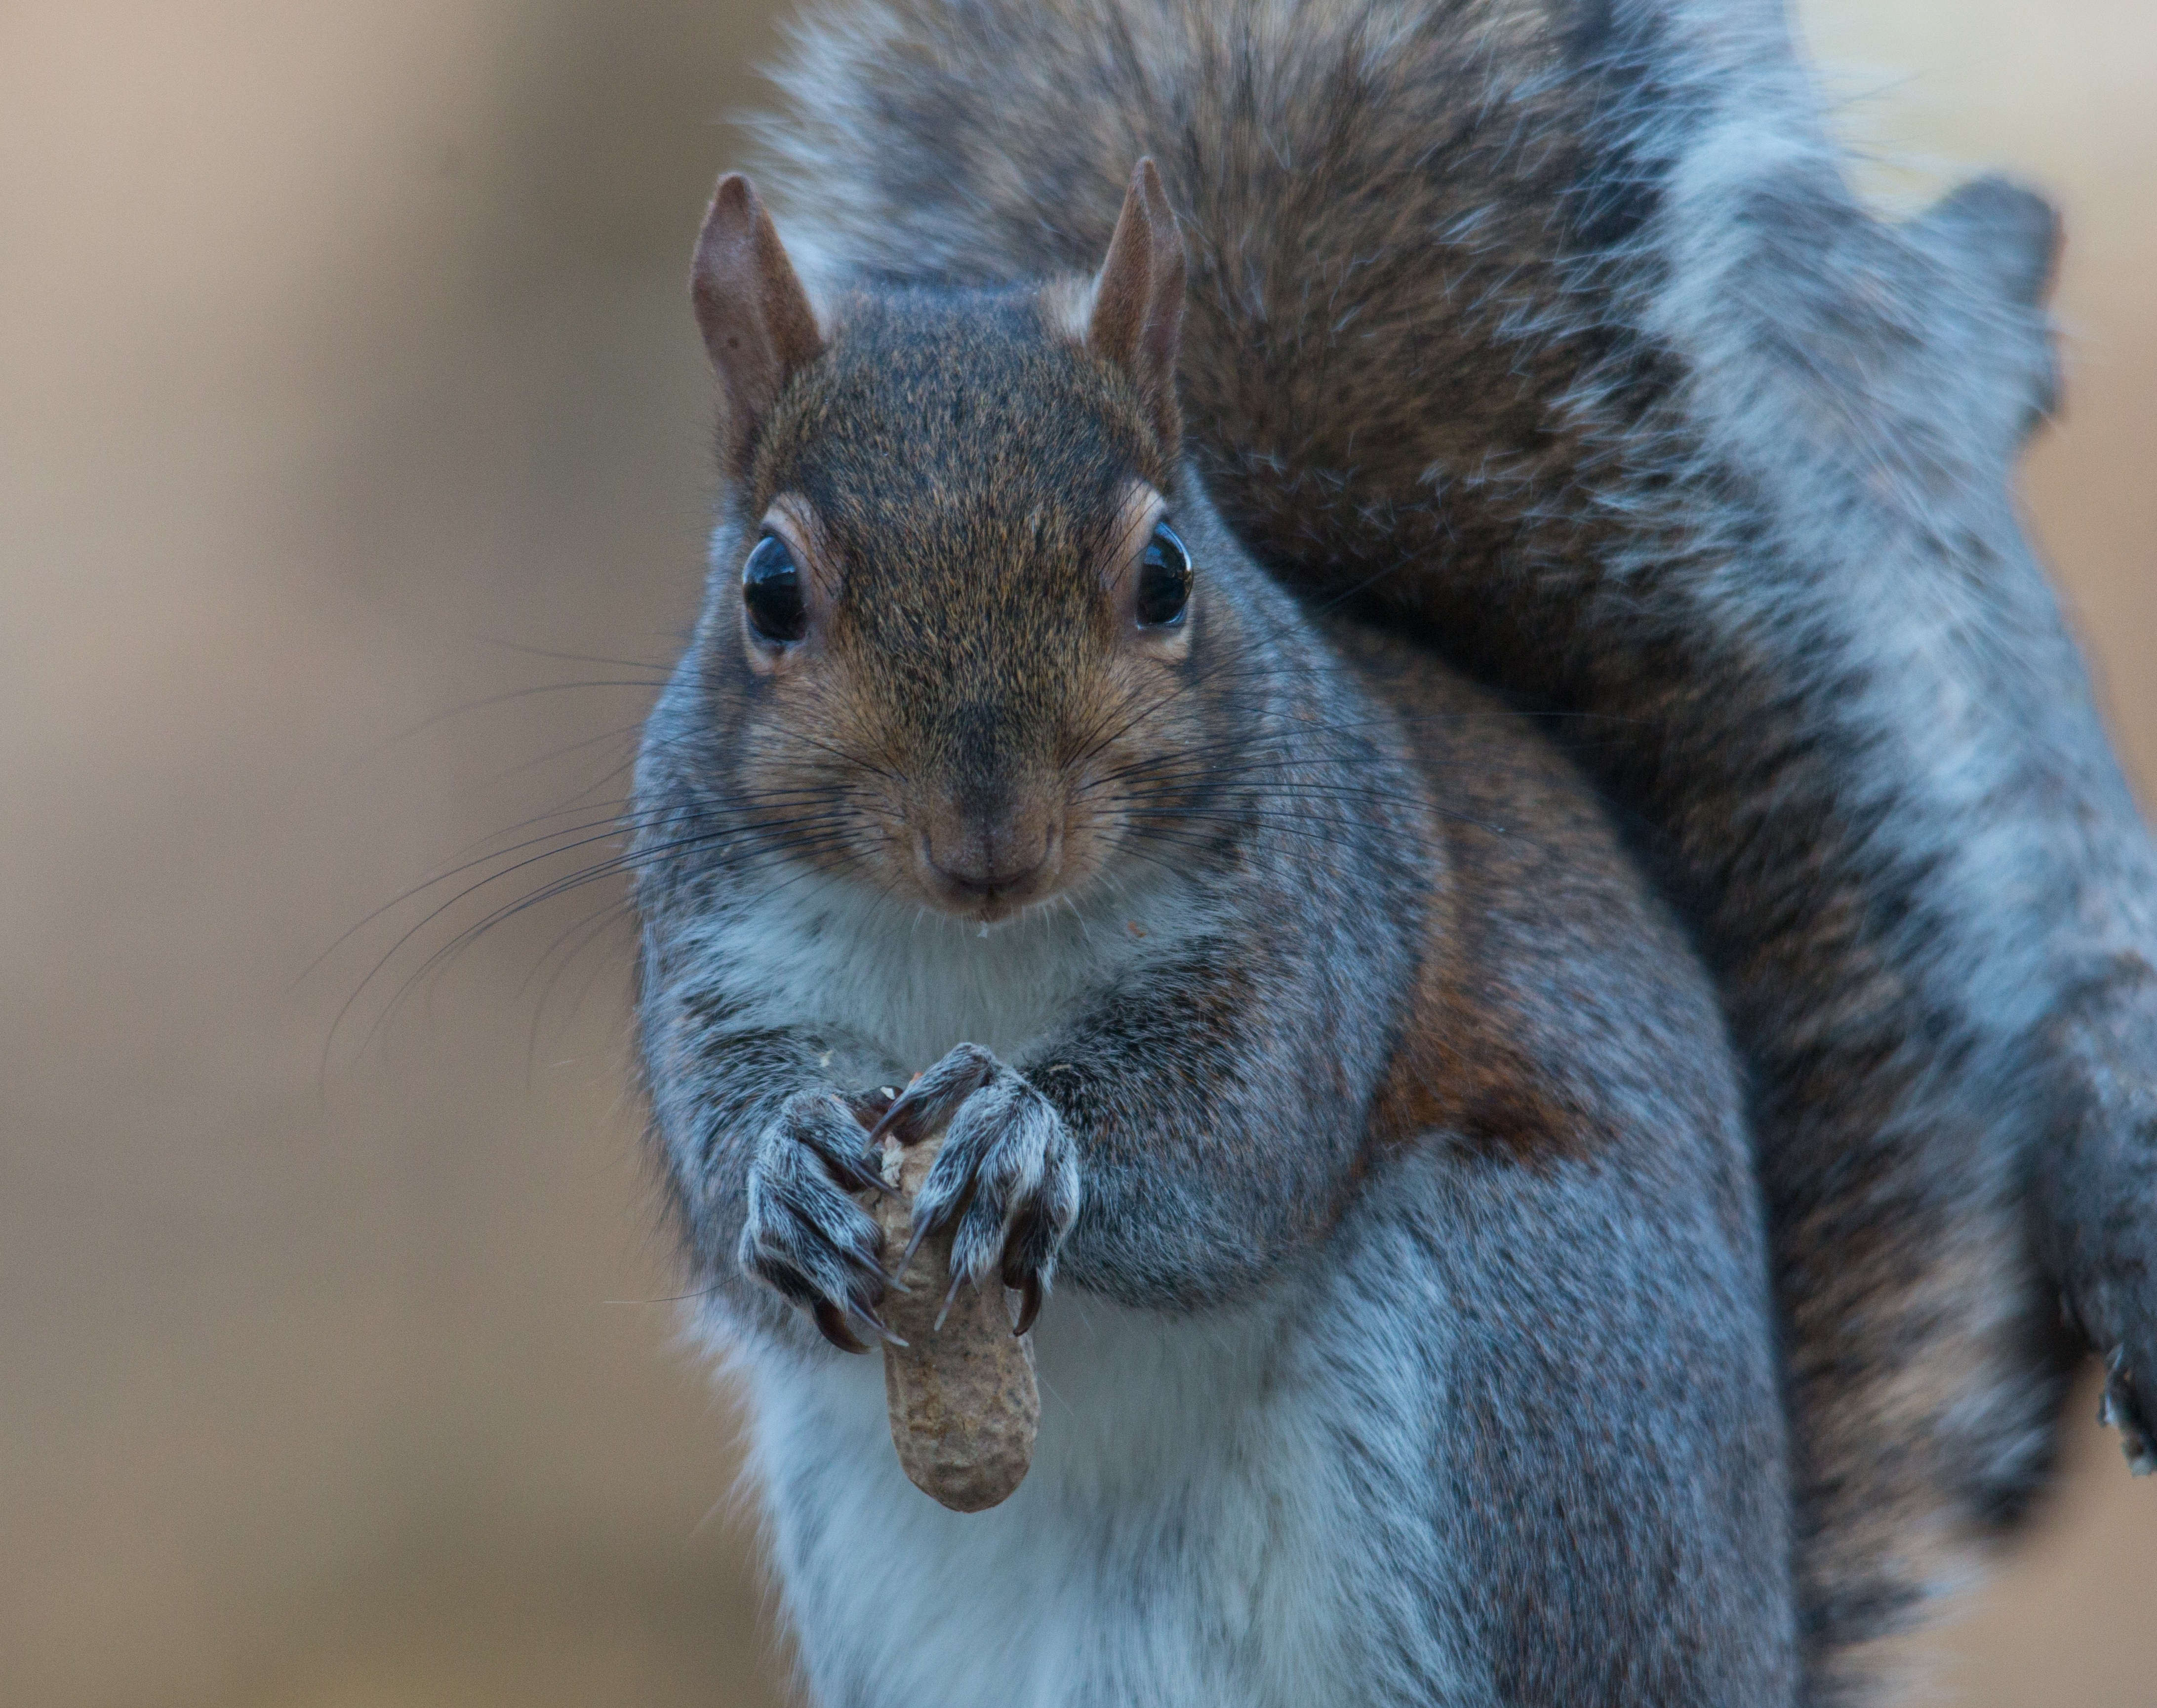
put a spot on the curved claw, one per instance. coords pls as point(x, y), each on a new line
point(871, 1273)
point(934, 1097)
point(923, 1227)
point(861, 1175)
point(833, 1326)
point(1029, 1303)
point(951, 1299)
point(862, 1313)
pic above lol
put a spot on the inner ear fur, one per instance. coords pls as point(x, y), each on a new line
point(758, 327)
point(1137, 314)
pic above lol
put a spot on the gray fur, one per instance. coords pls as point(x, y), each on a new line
point(1559, 334)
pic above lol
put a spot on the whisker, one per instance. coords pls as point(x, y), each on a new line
point(629, 862)
point(663, 668)
point(587, 931)
point(614, 828)
point(504, 698)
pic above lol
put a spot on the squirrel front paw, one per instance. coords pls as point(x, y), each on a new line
point(803, 1234)
point(1008, 1174)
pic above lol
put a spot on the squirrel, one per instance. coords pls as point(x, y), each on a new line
point(1292, 1007)
point(1550, 332)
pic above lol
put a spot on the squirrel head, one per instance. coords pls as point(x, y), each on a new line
point(952, 620)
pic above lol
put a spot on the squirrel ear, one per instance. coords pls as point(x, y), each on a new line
point(1138, 299)
point(755, 317)
point(2010, 232)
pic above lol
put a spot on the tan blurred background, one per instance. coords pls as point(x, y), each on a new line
point(343, 353)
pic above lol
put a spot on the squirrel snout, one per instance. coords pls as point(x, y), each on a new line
point(987, 865)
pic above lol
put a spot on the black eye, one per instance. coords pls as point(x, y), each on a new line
point(1164, 579)
point(772, 592)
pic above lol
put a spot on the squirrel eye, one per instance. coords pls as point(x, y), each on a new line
point(1164, 579)
point(772, 592)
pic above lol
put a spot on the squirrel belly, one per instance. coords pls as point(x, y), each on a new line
point(1180, 1538)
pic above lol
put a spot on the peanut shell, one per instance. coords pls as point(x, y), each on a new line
point(964, 1406)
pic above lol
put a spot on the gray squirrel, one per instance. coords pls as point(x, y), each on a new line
point(1552, 338)
point(1292, 1006)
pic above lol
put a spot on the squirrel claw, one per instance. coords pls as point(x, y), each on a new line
point(934, 1097)
point(862, 1314)
point(1029, 1304)
point(922, 1230)
point(951, 1299)
point(867, 1179)
point(833, 1326)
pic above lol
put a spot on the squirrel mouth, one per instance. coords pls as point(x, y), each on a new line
point(989, 903)
point(973, 883)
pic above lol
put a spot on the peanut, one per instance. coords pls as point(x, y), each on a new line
point(964, 1406)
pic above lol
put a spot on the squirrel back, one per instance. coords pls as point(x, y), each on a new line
point(1552, 334)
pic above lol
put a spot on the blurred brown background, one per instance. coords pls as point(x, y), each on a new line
point(343, 353)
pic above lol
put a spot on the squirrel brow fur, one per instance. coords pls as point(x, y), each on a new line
point(928, 404)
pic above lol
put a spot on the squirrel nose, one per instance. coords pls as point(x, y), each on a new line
point(984, 855)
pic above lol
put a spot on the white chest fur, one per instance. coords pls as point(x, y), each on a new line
point(1185, 1538)
point(913, 983)
point(1178, 1541)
